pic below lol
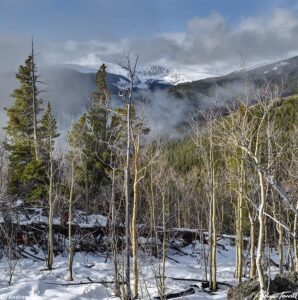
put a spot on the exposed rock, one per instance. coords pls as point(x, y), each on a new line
point(283, 286)
point(249, 289)
point(287, 282)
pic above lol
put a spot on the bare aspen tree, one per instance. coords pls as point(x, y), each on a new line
point(50, 257)
point(206, 151)
point(214, 205)
point(295, 241)
point(134, 214)
point(248, 138)
point(48, 127)
point(70, 203)
point(240, 221)
point(292, 171)
point(114, 244)
point(127, 95)
point(162, 183)
point(251, 215)
point(164, 244)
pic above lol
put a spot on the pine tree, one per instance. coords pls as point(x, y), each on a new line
point(98, 128)
point(26, 169)
point(48, 134)
point(89, 137)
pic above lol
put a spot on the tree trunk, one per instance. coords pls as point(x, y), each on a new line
point(240, 227)
point(261, 238)
point(281, 249)
point(210, 244)
point(280, 231)
point(34, 105)
point(70, 248)
point(252, 273)
point(127, 206)
point(164, 245)
point(214, 285)
point(114, 238)
point(51, 212)
point(134, 236)
point(295, 241)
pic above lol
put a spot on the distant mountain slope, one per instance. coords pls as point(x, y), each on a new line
point(284, 73)
point(168, 107)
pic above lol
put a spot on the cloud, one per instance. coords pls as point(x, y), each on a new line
point(211, 41)
point(208, 42)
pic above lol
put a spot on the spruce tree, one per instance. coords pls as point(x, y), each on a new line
point(26, 169)
point(90, 137)
point(48, 134)
point(98, 129)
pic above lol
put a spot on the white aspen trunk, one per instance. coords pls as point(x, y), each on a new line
point(51, 213)
point(134, 218)
point(261, 238)
point(252, 273)
point(70, 248)
point(214, 248)
point(280, 232)
point(281, 249)
point(164, 246)
point(237, 237)
point(114, 238)
point(295, 241)
point(152, 206)
point(127, 206)
point(240, 219)
point(210, 243)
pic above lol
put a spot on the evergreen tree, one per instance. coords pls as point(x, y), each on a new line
point(48, 134)
point(98, 129)
point(26, 169)
point(89, 139)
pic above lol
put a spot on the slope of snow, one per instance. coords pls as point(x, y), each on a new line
point(276, 66)
point(32, 282)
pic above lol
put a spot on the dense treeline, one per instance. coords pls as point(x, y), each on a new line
point(234, 174)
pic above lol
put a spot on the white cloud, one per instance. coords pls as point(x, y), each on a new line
point(207, 42)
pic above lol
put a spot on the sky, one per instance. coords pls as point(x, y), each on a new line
point(189, 34)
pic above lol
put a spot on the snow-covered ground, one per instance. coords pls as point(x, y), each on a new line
point(32, 281)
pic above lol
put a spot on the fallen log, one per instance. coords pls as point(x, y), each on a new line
point(104, 282)
point(276, 264)
point(187, 292)
point(80, 283)
point(24, 253)
point(195, 280)
point(173, 259)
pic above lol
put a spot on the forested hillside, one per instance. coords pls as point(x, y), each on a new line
point(143, 201)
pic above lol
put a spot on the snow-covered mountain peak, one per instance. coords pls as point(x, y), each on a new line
point(175, 77)
point(153, 71)
point(147, 75)
point(160, 74)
